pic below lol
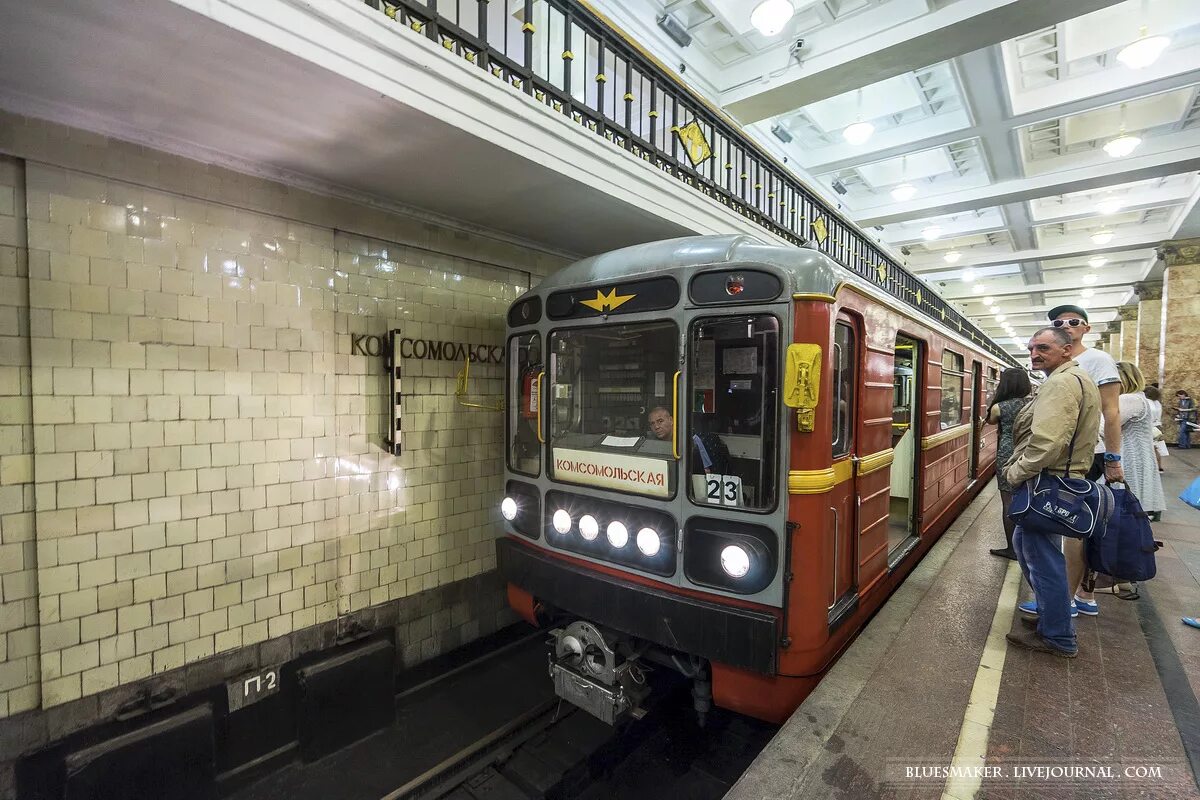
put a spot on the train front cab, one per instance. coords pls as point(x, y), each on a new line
point(809, 465)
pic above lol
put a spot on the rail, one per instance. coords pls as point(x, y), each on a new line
point(562, 54)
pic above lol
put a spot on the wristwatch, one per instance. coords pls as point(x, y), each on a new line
point(1110, 458)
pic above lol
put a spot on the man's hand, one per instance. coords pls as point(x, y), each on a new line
point(1113, 472)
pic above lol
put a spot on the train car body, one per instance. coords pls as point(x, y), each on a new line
point(722, 456)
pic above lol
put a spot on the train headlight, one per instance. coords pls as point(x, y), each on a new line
point(588, 527)
point(648, 542)
point(508, 509)
point(735, 561)
point(562, 521)
point(618, 534)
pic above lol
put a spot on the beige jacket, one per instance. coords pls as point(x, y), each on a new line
point(1043, 428)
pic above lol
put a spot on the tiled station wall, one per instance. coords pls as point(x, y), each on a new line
point(190, 459)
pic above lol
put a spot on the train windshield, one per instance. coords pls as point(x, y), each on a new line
point(734, 417)
point(610, 397)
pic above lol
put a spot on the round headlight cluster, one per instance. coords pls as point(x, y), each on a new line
point(562, 521)
point(508, 509)
point(618, 534)
point(735, 561)
point(648, 542)
point(588, 527)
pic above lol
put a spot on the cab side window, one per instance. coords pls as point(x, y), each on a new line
point(842, 406)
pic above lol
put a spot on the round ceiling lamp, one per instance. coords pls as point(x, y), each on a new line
point(858, 132)
point(905, 191)
point(770, 16)
point(1089, 279)
point(1109, 205)
point(968, 275)
point(952, 258)
point(1102, 237)
point(1122, 146)
point(1087, 292)
point(1125, 143)
point(931, 233)
point(1001, 317)
point(1144, 52)
point(1095, 262)
point(989, 301)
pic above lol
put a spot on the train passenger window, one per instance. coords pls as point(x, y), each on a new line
point(610, 391)
point(732, 399)
point(843, 389)
point(524, 393)
point(953, 378)
point(989, 383)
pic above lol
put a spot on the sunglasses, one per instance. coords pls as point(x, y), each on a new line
point(1074, 322)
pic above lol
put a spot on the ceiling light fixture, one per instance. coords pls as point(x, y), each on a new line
point(989, 301)
point(858, 132)
point(1110, 205)
point(1144, 52)
point(1102, 237)
point(952, 258)
point(1089, 279)
point(1097, 261)
point(1125, 143)
point(931, 233)
point(1087, 292)
point(968, 275)
point(979, 288)
point(770, 16)
point(1001, 317)
point(905, 191)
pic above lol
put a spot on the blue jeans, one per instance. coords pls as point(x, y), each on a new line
point(1042, 561)
point(1185, 435)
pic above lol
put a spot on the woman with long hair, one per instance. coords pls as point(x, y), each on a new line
point(1012, 393)
point(1137, 441)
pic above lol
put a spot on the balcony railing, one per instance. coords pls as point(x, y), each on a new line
point(563, 55)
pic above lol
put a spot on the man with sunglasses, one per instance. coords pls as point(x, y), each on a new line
point(1107, 458)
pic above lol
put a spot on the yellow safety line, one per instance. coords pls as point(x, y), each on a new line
point(981, 708)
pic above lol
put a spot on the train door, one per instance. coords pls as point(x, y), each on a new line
point(843, 500)
point(906, 447)
point(973, 403)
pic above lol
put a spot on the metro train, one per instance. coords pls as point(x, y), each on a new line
point(721, 457)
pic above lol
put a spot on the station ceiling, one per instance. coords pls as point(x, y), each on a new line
point(986, 171)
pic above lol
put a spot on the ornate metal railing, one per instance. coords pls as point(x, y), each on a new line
point(562, 54)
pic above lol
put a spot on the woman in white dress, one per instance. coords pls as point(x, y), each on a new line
point(1137, 441)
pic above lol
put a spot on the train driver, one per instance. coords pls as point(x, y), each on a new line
point(661, 423)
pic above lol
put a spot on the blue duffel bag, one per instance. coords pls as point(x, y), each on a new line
point(1125, 548)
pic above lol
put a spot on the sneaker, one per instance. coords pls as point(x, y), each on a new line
point(1031, 640)
point(1030, 608)
point(1089, 607)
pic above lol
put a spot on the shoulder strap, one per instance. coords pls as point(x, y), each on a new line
point(1074, 433)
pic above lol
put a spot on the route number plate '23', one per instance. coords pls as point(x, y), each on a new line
point(251, 687)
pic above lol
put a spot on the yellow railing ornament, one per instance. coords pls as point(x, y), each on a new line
point(802, 383)
point(460, 390)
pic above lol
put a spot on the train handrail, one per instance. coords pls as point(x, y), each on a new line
point(675, 414)
point(541, 402)
point(702, 147)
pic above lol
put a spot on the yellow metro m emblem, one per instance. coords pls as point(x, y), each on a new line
point(607, 302)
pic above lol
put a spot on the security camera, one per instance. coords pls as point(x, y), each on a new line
point(796, 50)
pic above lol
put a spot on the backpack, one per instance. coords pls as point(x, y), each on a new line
point(1125, 548)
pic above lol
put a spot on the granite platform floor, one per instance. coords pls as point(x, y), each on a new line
point(931, 702)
